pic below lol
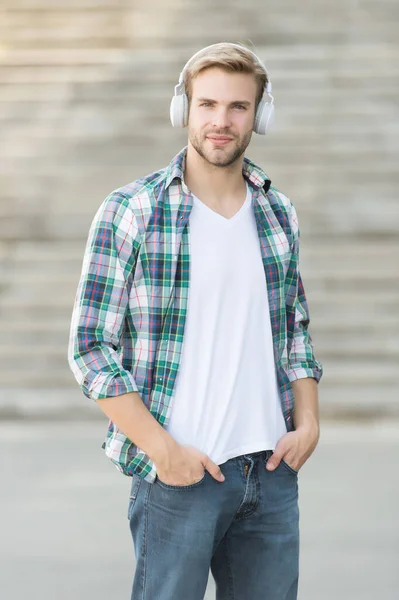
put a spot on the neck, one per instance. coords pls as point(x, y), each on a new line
point(218, 184)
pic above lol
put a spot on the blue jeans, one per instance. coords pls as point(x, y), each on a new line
point(244, 529)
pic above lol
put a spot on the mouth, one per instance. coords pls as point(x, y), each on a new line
point(219, 140)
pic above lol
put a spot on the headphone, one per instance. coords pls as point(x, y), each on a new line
point(264, 113)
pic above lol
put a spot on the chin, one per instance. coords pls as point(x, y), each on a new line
point(222, 161)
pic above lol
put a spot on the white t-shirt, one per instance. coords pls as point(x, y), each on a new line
point(226, 400)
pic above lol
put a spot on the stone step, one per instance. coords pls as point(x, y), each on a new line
point(41, 83)
point(51, 337)
point(70, 57)
point(60, 102)
point(358, 401)
point(52, 122)
point(353, 402)
point(362, 372)
point(323, 210)
point(36, 378)
point(114, 65)
point(351, 277)
point(43, 7)
point(49, 114)
point(315, 252)
point(156, 61)
point(323, 304)
point(66, 164)
point(106, 173)
point(81, 123)
point(347, 303)
point(105, 86)
point(147, 32)
point(359, 247)
point(373, 53)
point(313, 113)
point(326, 307)
point(69, 186)
point(75, 226)
point(338, 249)
point(69, 162)
point(322, 292)
point(347, 326)
point(46, 362)
point(296, 178)
point(83, 28)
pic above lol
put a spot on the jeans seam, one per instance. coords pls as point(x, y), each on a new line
point(230, 571)
point(133, 496)
point(145, 536)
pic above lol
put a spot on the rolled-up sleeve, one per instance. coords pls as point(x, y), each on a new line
point(102, 300)
point(302, 362)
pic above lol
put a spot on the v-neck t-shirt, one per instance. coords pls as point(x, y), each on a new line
point(226, 399)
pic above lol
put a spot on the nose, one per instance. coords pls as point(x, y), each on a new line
point(221, 118)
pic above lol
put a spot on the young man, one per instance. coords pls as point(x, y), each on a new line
point(190, 330)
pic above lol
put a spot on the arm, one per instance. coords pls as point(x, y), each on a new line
point(306, 413)
point(302, 361)
point(304, 371)
point(176, 464)
point(131, 416)
point(98, 318)
point(297, 446)
point(102, 300)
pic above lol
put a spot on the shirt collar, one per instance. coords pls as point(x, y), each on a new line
point(251, 171)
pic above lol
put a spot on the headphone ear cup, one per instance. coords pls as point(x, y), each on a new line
point(179, 110)
point(264, 117)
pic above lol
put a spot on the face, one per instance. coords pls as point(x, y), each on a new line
point(221, 117)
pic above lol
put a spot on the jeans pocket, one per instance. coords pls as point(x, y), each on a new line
point(134, 490)
point(289, 469)
point(180, 487)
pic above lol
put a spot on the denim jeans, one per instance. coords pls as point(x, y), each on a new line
point(245, 529)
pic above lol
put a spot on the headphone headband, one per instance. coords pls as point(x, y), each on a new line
point(268, 87)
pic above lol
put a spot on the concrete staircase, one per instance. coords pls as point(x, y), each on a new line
point(84, 101)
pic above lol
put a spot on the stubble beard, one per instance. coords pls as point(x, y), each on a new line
point(219, 157)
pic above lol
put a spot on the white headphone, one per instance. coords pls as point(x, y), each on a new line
point(264, 113)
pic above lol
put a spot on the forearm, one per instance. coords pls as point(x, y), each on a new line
point(132, 417)
point(296, 446)
point(306, 406)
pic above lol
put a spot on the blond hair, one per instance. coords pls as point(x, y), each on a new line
point(233, 58)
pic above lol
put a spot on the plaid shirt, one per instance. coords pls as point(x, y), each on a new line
point(128, 320)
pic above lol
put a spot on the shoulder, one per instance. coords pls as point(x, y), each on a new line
point(284, 208)
point(279, 202)
point(148, 186)
point(134, 202)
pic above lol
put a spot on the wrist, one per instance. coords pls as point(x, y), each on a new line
point(162, 447)
point(310, 429)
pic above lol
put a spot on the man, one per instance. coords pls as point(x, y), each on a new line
point(190, 330)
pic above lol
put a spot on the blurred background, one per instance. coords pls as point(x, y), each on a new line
point(85, 88)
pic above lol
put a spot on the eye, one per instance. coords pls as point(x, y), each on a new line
point(240, 106)
point(206, 104)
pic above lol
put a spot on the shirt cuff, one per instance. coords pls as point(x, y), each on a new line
point(108, 385)
point(304, 370)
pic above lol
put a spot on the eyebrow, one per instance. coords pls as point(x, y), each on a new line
point(243, 102)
